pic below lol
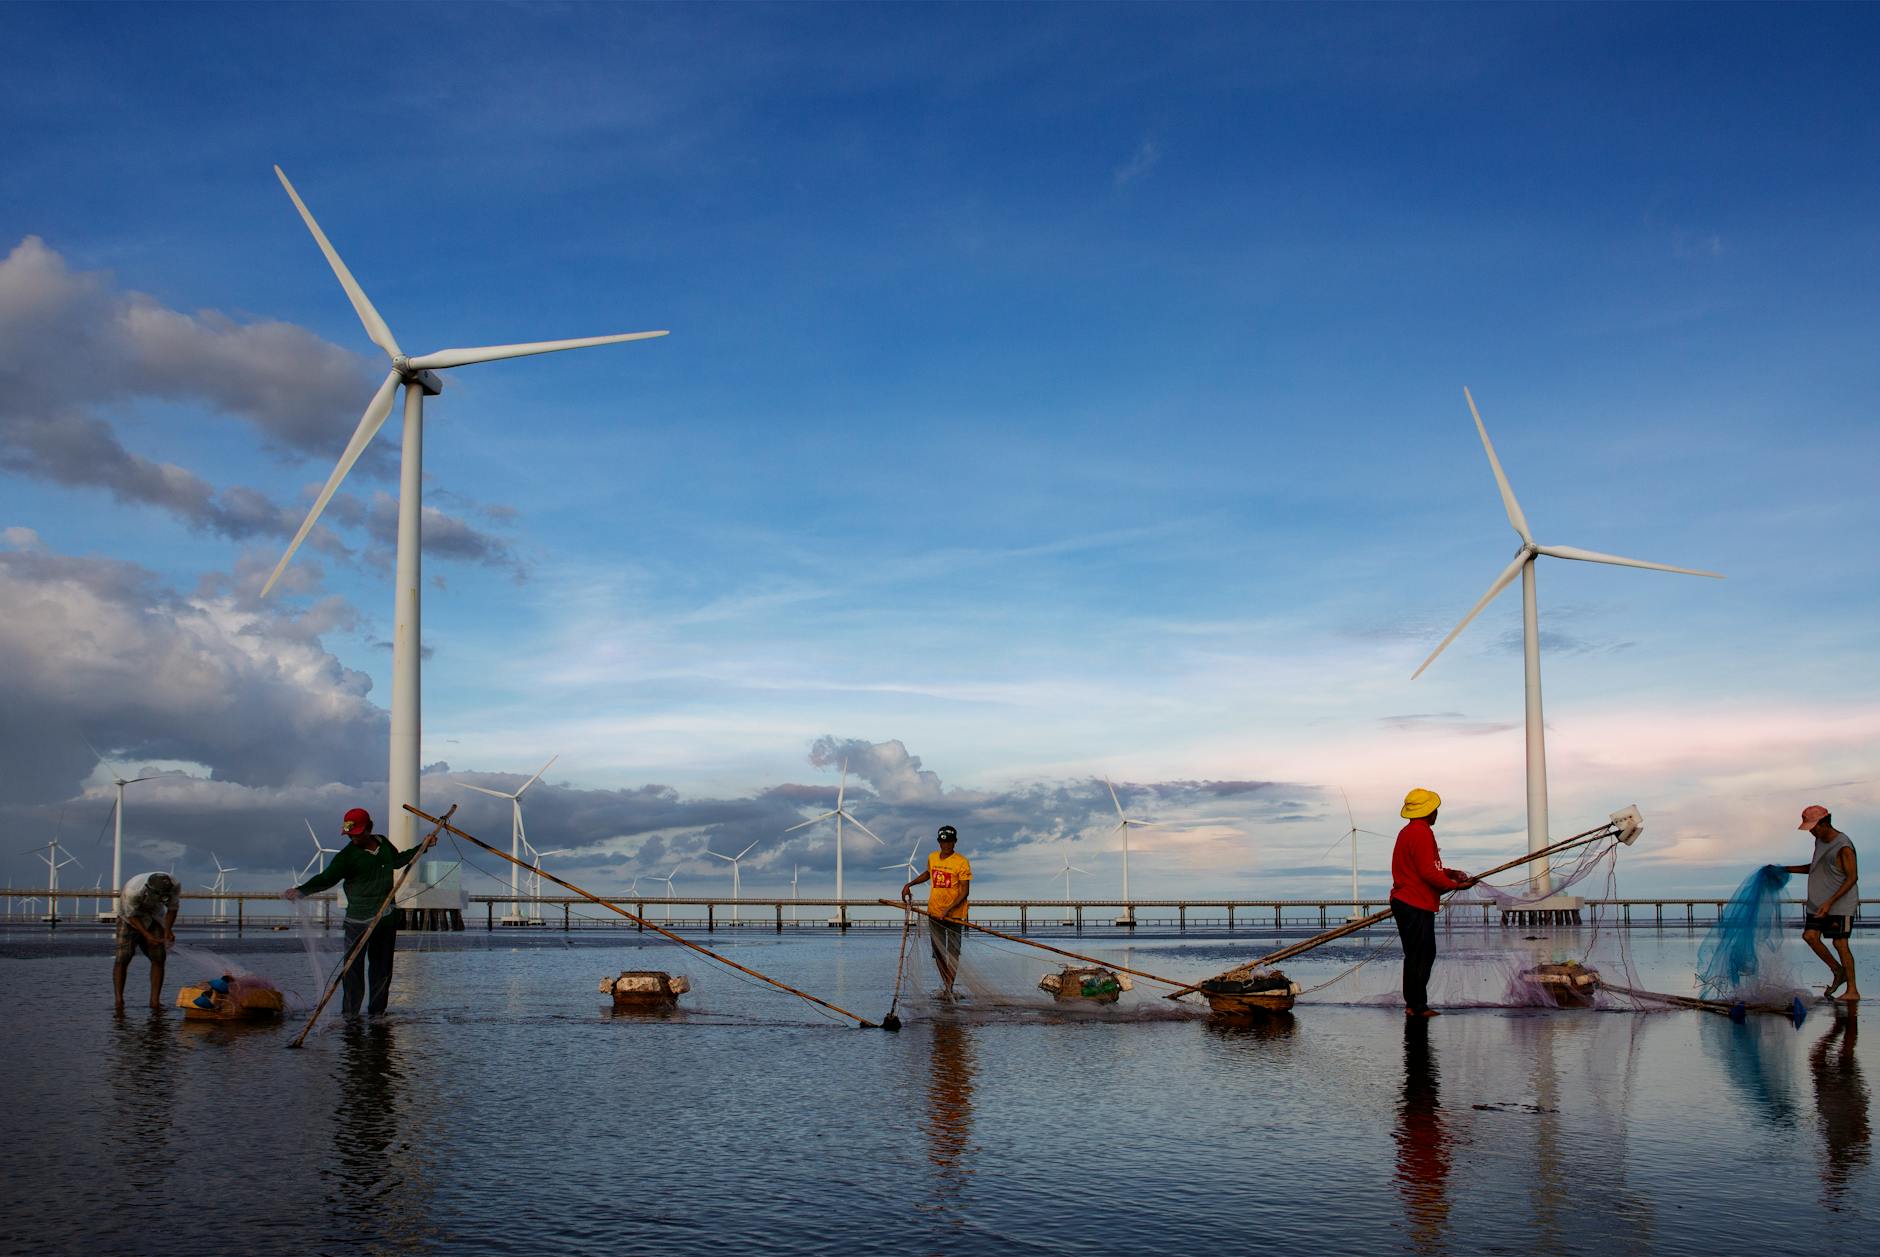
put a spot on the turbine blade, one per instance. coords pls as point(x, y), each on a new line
point(1501, 582)
point(153, 776)
point(494, 353)
point(538, 776)
point(375, 326)
point(747, 850)
point(369, 425)
point(811, 821)
point(865, 829)
point(1513, 507)
point(1594, 556)
point(1113, 798)
point(494, 794)
point(726, 858)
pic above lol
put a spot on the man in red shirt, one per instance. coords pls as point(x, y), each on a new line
point(1418, 882)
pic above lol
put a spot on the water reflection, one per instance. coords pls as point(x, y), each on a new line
point(1253, 1025)
point(142, 1080)
point(375, 1182)
point(1423, 1141)
point(1841, 1103)
point(1758, 1069)
point(948, 1122)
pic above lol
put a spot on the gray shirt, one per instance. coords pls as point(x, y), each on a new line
point(1825, 876)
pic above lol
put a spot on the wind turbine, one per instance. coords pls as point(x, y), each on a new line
point(1523, 565)
point(668, 880)
point(118, 780)
point(1067, 870)
point(1351, 835)
point(1122, 825)
point(793, 869)
point(319, 852)
point(535, 877)
point(913, 869)
point(736, 889)
point(53, 865)
point(220, 888)
point(518, 839)
point(841, 918)
point(419, 378)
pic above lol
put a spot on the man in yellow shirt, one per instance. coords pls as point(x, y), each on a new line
point(952, 879)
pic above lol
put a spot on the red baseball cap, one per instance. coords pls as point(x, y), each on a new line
point(359, 821)
point(1813, 815)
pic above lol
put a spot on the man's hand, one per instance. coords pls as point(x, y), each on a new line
point(291, 894)
point(169, 937)
point(907, 893)
point(430, 841)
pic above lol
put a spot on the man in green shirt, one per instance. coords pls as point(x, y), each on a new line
point(365, 866)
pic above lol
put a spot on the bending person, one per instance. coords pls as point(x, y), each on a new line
point(952, 878)
point(146, 922)
point(365, 865)
point(1833, 898)
point(1418, 881)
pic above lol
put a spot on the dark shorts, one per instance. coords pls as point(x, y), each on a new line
point(1829, 927)
point(130, 942)
point(946, 936)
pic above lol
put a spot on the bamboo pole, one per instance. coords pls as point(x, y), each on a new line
point(390, 898)
point(1723, 1008)
point(612, 907)
point(1013, 938)
point(1609, 829)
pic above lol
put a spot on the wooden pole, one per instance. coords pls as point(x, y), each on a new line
point(641, 921)
point(1013, 938)
point(1607, 830)
point(360, 946)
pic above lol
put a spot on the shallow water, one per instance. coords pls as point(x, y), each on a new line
point(503, 1107)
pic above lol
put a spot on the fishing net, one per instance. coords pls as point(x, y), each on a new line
point(1738, 958)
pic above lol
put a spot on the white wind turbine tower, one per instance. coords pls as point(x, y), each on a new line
point(1351, 835)
point(119, 780)
point(736, 886)
point(419, 378)
point(1067, 870)
point(841, 918)
point(793, 869)
point(53, 865)
point(220, 888)
point(1523, 565)
point(518, 839)
point(1123, 825)
point(535, 877)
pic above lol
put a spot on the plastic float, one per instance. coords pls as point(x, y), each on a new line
point(645, 988)
point(1266, 991)
point(1569, 984)
point(229, 998)
point(1093, 983)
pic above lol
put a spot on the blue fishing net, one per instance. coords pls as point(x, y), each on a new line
point(1747, 932)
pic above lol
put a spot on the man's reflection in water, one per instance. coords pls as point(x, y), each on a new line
point(1423, 1141)
point(376, 1181)
point(949, 1118)
point(1841, 1102)
point(142, 1077)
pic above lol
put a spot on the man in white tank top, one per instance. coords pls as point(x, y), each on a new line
point(1833, 899)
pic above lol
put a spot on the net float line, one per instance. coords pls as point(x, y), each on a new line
point(1623, 830)
point(638, 920)
point(1013, 938)
point(360, 946)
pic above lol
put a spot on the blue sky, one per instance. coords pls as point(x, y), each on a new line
point(1052, 392)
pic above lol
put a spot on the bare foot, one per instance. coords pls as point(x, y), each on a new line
point(1431, 1012)
point(1840, 980)
point(1852, 996)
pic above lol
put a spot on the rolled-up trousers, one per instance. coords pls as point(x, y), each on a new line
point(374, 965)
point(1417, 928)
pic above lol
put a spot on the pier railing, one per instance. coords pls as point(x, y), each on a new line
point(265, 910)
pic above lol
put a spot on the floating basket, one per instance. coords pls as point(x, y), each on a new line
point(1569, 984)
point(1269, 991)
point(645, 988)
point(1093, 983)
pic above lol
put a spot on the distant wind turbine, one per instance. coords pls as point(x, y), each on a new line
point(736, 887)
point(1351, 835)
point(1123, 826)
point(668, 880)
point(119, 780)
point(1067, 870)
point(53, 864)
point(1523, 565)
point(220, 888)
point(535, 877)
point(419, 378)
point(913, 869)
point(841, 918)
point(518, 838)
point(320, 852)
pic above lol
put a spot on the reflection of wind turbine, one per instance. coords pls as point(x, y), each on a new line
point(1122, 825)
point(736, 887)
point(1523, 564)
point(319, 852)
point(841, 918)
point(518, 838)
point(1351, 835)
point(418, 376)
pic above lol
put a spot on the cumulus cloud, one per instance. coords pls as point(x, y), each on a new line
point(72, 344)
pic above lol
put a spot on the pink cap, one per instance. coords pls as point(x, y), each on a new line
point(1813, 815)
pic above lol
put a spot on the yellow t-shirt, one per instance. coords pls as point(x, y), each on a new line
point(949, 876)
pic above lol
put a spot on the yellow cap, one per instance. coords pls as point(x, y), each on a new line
point(1420, 803)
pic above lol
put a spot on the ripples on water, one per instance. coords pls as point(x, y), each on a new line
point(503, 1108)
